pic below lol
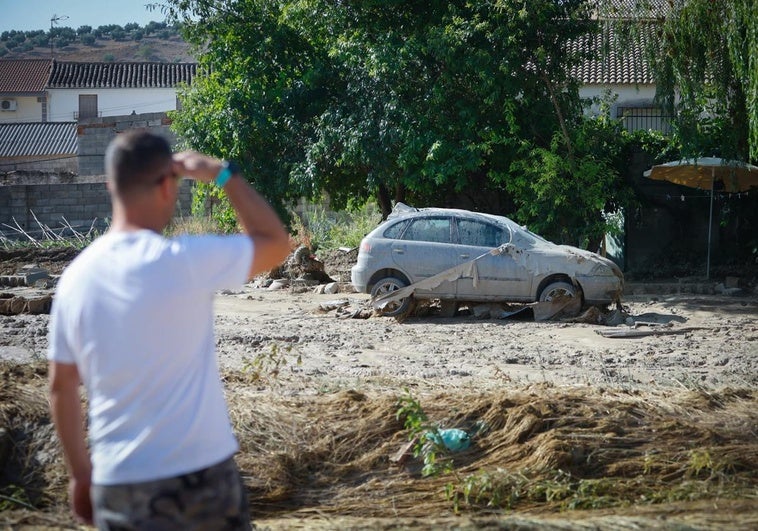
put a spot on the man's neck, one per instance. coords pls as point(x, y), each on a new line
point(125, 220)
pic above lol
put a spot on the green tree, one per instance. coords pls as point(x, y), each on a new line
point(443, 102)
point(88, 39)
point(704, 56)
point(253, 103)
point(153, 26)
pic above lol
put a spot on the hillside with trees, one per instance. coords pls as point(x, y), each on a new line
point(155, 41)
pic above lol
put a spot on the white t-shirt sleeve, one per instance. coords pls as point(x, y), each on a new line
point(218, 262)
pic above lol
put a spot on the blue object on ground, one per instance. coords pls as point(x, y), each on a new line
point(453, 439)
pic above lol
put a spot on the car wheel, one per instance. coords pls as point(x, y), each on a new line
point(388, 285)
point(557, 289)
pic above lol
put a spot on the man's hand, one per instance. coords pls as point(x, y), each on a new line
point(81, 502)
point(255, 215)
point(197, 166)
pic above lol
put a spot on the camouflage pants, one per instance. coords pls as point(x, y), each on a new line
point(209, 499)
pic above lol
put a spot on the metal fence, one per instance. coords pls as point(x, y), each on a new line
point(644, 118)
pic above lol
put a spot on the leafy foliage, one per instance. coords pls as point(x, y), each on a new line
point(705, 63)
point(319, 228)
point(208, 200)
point(430, 448)
point(451, 103)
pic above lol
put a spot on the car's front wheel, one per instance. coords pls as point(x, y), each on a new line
point(557, 289)
point(388, 285)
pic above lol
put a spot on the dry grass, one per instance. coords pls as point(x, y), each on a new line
point(324, 461)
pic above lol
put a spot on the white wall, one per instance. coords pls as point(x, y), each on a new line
point(27, 110)
point(628, 95)
point(63, 104)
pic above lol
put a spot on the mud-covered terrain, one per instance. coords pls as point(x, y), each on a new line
point(655, 428)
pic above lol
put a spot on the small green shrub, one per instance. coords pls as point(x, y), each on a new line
point(265, 367)
point(208, 200)
point(326, 229)
point(431, 449)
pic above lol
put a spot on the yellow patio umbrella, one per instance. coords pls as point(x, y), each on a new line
point(708, 173)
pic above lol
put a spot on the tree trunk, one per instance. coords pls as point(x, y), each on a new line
point(385, 203)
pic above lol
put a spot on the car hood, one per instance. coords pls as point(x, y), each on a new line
point(544, 257)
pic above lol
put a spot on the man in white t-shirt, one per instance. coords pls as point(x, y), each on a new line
point(132, 320)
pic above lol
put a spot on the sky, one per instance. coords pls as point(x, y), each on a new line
point(26, 15)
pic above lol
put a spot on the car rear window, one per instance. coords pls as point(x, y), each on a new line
point(480, 234)
point(394, 231)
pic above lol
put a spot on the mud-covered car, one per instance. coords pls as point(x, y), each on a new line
point(462, 256)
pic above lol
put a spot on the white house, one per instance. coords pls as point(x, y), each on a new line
point(88, 90)
point(35, 90)
point(41, 102)
point(22, 90)
point(624, 74)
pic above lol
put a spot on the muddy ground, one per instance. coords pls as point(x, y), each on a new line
point(581, 430)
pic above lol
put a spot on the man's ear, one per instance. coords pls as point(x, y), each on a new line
point(164, 189)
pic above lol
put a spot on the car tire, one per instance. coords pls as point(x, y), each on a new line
point(554, 288)
point(388, 285)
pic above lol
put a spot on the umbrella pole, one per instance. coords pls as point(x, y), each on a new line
point(710, 224)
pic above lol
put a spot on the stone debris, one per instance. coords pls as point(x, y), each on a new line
point(327, 289)
point(28, 302)
point(279, 283)
point(16, 297)
point(302, 264)
point(28, 275)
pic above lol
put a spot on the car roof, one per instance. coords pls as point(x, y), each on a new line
point(401, 210)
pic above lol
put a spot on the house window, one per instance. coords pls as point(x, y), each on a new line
point(87, 106)
point(644, 118)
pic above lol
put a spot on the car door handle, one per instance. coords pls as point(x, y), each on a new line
point(398, 251)
point(464, 256)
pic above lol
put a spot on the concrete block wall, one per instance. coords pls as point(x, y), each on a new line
point(59, 163)
point(79, 199)
point(94, 135)
point(57, 205)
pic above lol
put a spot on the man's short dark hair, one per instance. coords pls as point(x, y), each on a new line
point(135, 159)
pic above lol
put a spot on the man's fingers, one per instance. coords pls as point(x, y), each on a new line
point(196, 166)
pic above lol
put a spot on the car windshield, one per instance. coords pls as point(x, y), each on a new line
point(526, 237)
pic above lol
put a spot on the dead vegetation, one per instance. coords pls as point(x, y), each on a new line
point(538, 452)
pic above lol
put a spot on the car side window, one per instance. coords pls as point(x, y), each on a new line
point(480, 234)
point(394, 231)
point(429, 230)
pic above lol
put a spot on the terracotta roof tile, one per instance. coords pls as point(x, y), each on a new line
point(37, 138)
point(67, 74)
point(19, 76)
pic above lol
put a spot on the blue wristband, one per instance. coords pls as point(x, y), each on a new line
point(228, 169)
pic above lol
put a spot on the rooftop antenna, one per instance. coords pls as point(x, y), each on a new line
point(54, 20)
